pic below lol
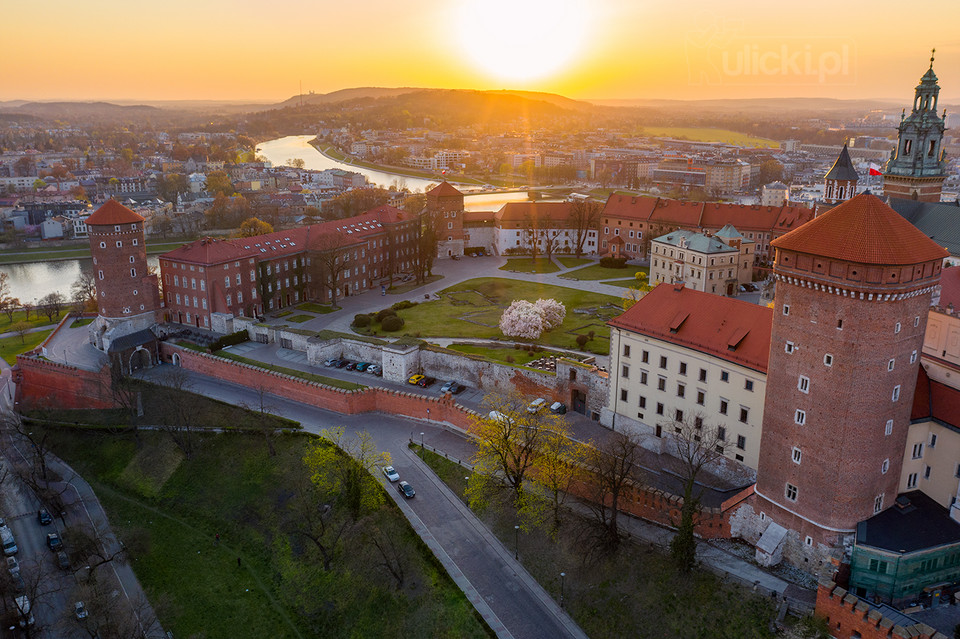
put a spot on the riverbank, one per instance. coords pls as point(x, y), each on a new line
point(79, 252)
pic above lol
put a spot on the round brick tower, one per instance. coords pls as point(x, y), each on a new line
point(127, 296)
point(853, 291)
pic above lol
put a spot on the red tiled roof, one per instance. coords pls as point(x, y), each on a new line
point(207, 251)
point(521, 211)
point(677, 212)
point(864, 230)
point(950, 287)
point(627, 206)
point(112, 212)
point(935, 400)
point(444, 189)
point(726, 328)
point(478, 217)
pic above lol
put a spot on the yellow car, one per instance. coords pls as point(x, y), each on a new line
point(415, 379)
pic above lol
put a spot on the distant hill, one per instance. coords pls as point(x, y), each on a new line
point(344, 95)
point(759, 105)
point(82, 110)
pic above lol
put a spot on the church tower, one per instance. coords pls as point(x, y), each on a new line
point(127, 296)
point(853, 288)
point(917, 168)
point(840, 182)
point(445, 208)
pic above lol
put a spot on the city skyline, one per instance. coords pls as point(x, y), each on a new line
point(606, 50)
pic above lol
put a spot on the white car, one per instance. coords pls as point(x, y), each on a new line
point(80, 610)
point(390, 473)
point(537, 405)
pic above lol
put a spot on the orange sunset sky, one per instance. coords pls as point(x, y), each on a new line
point(592, 49)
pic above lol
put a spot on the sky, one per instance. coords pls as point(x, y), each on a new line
point(585, 49)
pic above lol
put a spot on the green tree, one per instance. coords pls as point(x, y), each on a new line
point(252, 226)
point(219, 182)
point(297, 163)
point(343, 468)
point(39, 184)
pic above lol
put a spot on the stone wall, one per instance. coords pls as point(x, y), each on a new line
point(44, 384)
point(849, 617)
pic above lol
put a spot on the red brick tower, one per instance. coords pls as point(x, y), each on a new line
point(853, 290)
point(127, 296)
point(445, 206)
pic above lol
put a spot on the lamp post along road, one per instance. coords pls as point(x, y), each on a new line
point(516, 543)
point(562, 575)
point(421, 446)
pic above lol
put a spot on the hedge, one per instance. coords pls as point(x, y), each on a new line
point(360, 321)
point(392, 323)
point(229, 340)
point(613, 262)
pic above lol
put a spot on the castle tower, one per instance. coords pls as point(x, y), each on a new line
point(840, 182)
point(127, 296)
point(853, 290)
point(445, 207)
point(917, 167)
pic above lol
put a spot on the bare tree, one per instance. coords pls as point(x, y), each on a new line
point(696, 445)
point(9, 306)
point(313, 521)
point(584, 217)
point(84, 292)
point(51, 304)
point(612, 468)
point(263, 408)
point(531, 233)
point(38, 450)
point(181, 411)
point(330, 259)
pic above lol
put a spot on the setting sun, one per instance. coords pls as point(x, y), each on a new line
point(525, 40)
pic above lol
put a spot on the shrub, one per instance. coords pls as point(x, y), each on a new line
point(591, 334)
point(582, 340)
point(399, 306)
point(509, 359)
point(385, 313)
point(517, 346)
point(361, 321)
point(553, 312)
point(229, 340)
point(392, 323)
point(522, 319)
point(613, 262)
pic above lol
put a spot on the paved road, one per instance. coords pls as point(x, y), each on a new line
point(512, 602)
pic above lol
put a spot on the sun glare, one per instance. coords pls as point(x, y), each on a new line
point(522, 39)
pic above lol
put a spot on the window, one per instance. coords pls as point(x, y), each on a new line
point(723, 407)
point(912, 480)
point(788, 348)
point(916, 321)
point(662, 383)
point(643, 377)
point(896, 393)
point(786, 309)
point(239, 280)
point(918, 450)
point(828, 360)
point(681, 390)
point(885, 466)
point(659, 409)
point(748, 385)
point(701, 397)
point(890, 365)
point(724, 376)
point(926, 472)
point(100, 274)
point(119, 244)
point(136, 242)
point(642, 402)
point(226, 282)
point(896, 329)
point(878, 504)
point(913, 357)
point(933, 440)
point(116, 228)
point(744, 414)
point(800, 417)
point(678, 415)
point(956, 473)
point(803, 384)
point(741, 442)
point(683, 368)
point(623, 394)
point(722, 436)
point(103, 245)
point(888, 430)
point(703, 374)
point(663, 362)
point(796, 455)
point(790, 492)
point(645, 357)
point(839, 324)
point(625, 372)
point(626, 350)
point(808, 541)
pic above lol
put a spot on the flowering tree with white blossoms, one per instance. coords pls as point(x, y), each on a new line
point(522, 319)
point(553, 313)
point(529, 320)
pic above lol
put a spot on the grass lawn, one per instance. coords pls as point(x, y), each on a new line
point(300, 319)
point(400, 289)
point(473, 309)
point(696, 134)
point(313, 307)
point(262, 579)
point(77, 323)
point(530, 265)
point(571, 262)
point(310, 377)
point(36, 319)
point(597, 272)
point(629, 283)
point(520, 357)
point(283, 313)
point(10, 347)
point(634, 591)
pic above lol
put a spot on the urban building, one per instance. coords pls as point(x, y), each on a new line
point(840, 182)
point(716, 264)
point(774, 194)
point(521, 227)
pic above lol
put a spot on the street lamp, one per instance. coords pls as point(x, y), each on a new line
point(516, 542)
point(562, 575)
point(421, 445)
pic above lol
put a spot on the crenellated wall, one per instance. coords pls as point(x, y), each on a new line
point(849, 617)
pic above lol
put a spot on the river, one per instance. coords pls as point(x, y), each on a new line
point(29, 282)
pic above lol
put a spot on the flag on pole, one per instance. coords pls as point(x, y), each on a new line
point(875, 169)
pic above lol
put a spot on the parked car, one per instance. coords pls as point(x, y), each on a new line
point(415, 379)
point(426, 381)
point(537, 405)
point(13, 565)
point(361, 366)
point(374, 369)
point(331, 362)
point(54, 542)
point(44, 517)
point(80, 610)
point(391, 474)
point(406, 490)
point(23, 607)
point(351, 365)
point(558, 408)
point(63, 562)
point(499, 417)
point(452, 387)
point(341, 363)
